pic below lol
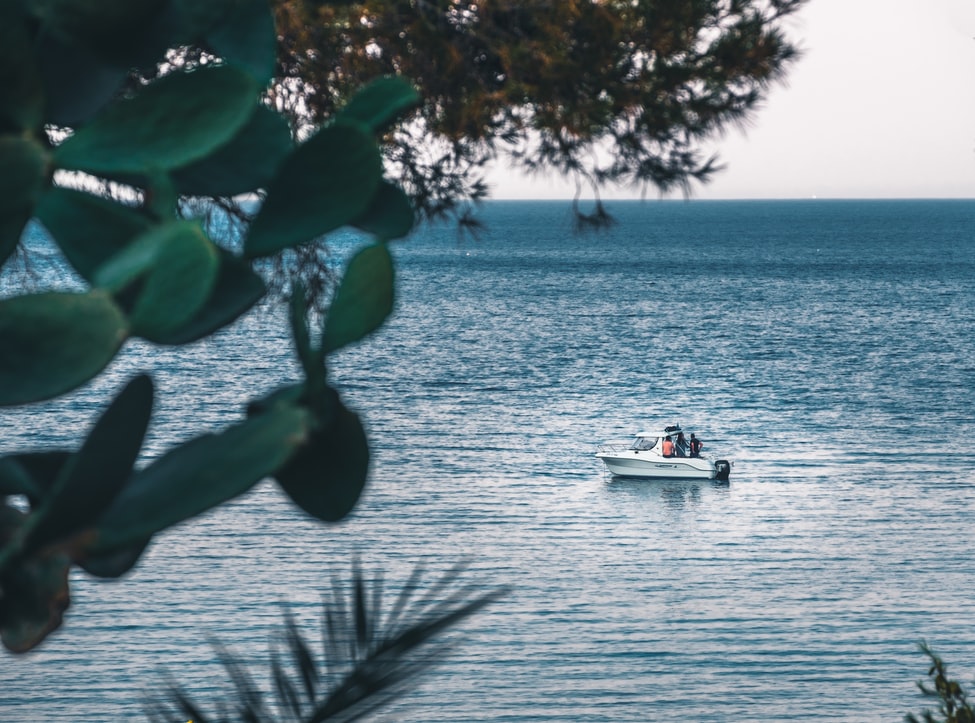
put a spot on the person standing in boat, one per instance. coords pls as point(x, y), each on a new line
point(680, 446)
point(696, 446)
point(667, 447)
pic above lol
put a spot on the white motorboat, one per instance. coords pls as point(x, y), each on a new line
point(645, 457)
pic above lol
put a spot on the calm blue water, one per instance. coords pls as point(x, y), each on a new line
point(825, 347)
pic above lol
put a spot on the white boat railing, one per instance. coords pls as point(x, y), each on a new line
point(614, 447)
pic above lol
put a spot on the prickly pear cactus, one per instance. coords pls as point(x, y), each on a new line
point(152, 274)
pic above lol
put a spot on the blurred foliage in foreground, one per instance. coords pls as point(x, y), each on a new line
point(74, 118)
point(371, 652)
point(953, 705)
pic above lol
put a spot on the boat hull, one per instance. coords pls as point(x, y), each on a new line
point(633, 463)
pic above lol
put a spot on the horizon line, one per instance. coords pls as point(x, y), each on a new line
point(731, 198)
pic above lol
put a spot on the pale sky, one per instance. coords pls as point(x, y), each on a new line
point(881, 105)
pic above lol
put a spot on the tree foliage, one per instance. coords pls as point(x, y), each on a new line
point(610, 92)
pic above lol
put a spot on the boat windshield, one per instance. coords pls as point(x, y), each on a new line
point(643, 443)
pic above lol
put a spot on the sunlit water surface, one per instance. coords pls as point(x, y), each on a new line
point(825, 347)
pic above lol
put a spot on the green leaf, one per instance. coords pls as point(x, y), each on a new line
point(35, 596)
point(246, 38)
point(247, 163)
point(88, 229)
point(364, 298)
point(201, 474)
point(111, 564)
point(236, 290)
point(312, 360)
point(198, 18)
point(290, 395)
point(15, 480)
point(136, 259)
point(21, 182)
point(178, 266)
point(52, 342)
point(241, 32)
point(380, 102)
point(327, 475)
point(44, 468)
point(97, 472)
point(323, 184)
point(76, 84)
point(170, 123)
point(21, 97)
point(121, 32)
point(178, 284)
point(390, 214)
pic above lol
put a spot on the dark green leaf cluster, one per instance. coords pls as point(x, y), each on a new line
point(953, 705)
point(151, 273)
point(368, 656)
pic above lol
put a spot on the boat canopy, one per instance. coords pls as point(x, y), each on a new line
point(671, 431)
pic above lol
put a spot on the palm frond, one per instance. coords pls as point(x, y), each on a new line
point(371, 653)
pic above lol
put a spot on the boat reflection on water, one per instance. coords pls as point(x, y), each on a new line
point(675, 494)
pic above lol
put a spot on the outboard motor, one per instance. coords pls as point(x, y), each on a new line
point(722, 469)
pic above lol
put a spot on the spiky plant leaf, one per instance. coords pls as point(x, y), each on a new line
point(369, 657)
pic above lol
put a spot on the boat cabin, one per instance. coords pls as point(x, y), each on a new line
point(653, 441)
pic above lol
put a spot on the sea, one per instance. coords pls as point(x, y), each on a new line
point(826, 348)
